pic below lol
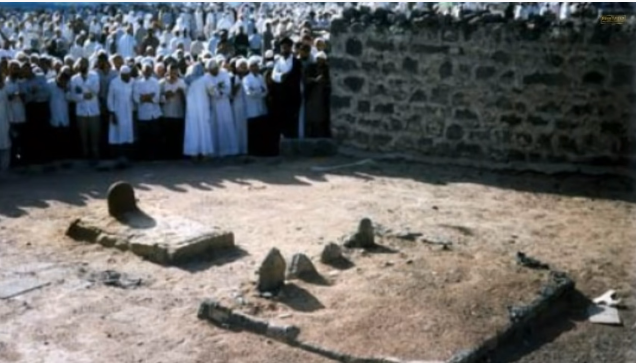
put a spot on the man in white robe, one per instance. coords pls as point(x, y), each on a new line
point(17, 114)
point(173, 93)
point(120, 109)
point(62, 137)
point(239, 105)
point(198, 141)
point(147, 95)
point(262, 137)
point(218, 84)
point(127, 44)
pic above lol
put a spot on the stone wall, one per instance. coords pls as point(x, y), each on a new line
point(495, 93)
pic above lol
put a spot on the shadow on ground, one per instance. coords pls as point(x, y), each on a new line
point(75, 187)
point(299, 299)
point(218, 258)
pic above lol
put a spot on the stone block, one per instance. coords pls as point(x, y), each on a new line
point(342, 64)
point(454, 132)
point(338, 102)
point(353, 83)
point(161, 238)
point(353, 47)
point(308, 147)
point(446, 70)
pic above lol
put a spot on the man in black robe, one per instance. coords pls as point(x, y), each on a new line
point(286, 95)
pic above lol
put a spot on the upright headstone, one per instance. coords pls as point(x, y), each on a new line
point(332, 253)
point(121, 199)
point(271, 274)
point(302, 268)
point(364, 237)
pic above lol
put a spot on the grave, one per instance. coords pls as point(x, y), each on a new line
point(153, 234)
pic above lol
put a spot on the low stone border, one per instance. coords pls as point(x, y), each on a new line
point(522, 318)
point(226, 318)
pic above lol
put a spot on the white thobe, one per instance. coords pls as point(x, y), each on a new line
point(18, 113)
point(223, 128)
point(282, 67)
point(81, 86)
point(5, 117)
point(172, 107)
point(198, 20)
point(90, 48)
point(240, 115)
point(76, 51)
point(147, 111)
point(255, 90)
point(198, 127)
point(120, 102)
point(126, 46)
point(58, 104)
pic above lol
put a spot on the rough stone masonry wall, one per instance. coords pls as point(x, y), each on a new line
point(494, 94)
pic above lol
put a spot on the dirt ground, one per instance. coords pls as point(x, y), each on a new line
point(415, 301)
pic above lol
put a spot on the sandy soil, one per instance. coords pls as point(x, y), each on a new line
point(414, 302)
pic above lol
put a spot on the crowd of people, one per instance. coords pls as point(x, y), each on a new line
point(147, 82)
point(168, 81)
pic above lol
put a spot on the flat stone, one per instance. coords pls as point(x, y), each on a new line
point(161, 238)
point(601, 314)
point(19, 286)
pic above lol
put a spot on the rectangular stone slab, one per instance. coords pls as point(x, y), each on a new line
point(162, 238)
point(19, 286)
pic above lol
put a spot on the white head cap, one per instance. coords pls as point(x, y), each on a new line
point(254, 60)
point(124, 70)
point(211, 64)
point(321, 55)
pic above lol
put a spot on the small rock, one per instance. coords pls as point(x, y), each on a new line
point(331, 254)
point(271, 274)
point(364, 237)
point(409, 262)
point(334, 273)
point(435, 207)
point(530, 262)
point(302, 268)
point(389, 263)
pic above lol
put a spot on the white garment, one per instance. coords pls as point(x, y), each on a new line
point(126, 46)
point(18, 113)
point(198, 127)
point(5, 117)
point(90, 48)
point(223, 127)
point(58, 104)
point(255, 90)
point(147, 111)
point(120, 102)
point(198, 20)
point(173, 107)
point(81, 86)
point(282, 67)
point(76, 51)
point(240, 115)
